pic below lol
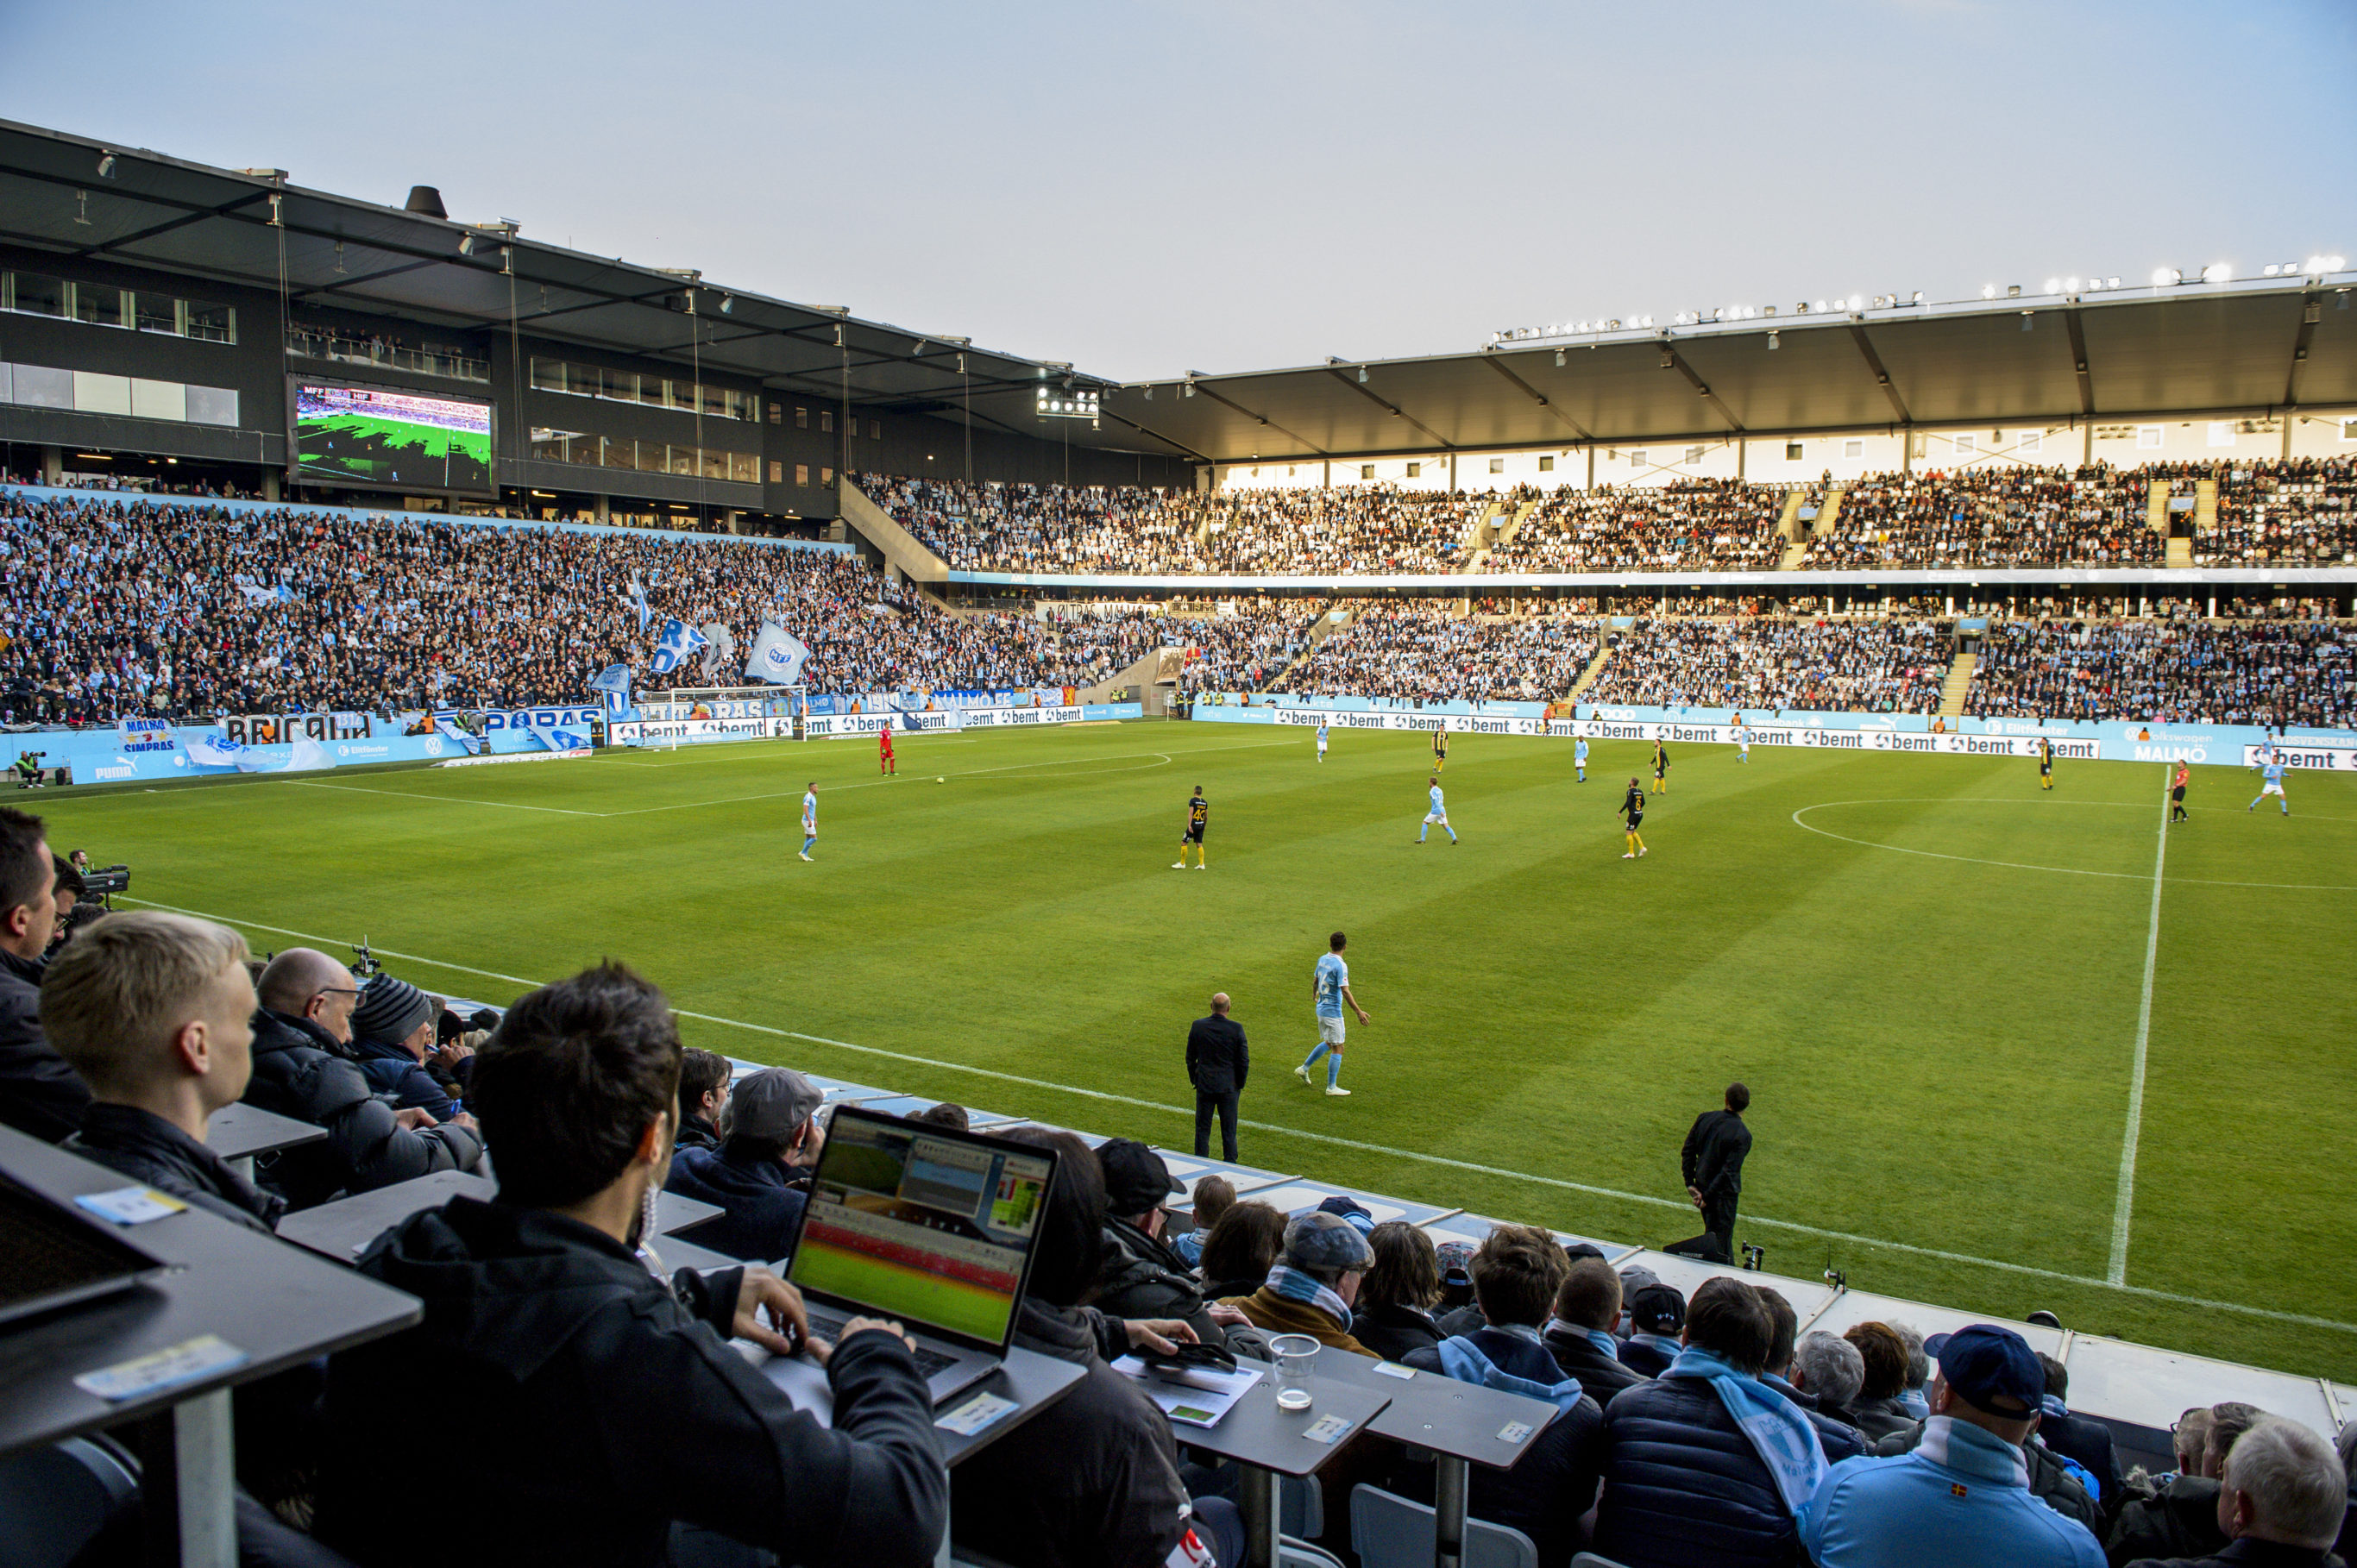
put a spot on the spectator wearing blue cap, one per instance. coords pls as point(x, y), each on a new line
point(1962, 1496)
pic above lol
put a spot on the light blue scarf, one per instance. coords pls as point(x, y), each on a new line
point(1605, 1344)
point(1295, 1285)
point(1776, 1429)
point(1462, 1359)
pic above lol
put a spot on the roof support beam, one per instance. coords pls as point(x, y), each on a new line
point(1881, 376)
point(181, 222)
point(1498, 363)
point(1205, 388)
point(1386, 405)
point(1673, 360)
point(2312, 311)
point(2078, 359)
point(1156, 435)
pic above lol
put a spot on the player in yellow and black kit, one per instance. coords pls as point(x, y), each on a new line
point(2045, 763)
point(1633, 807)
point(1439, 749)
point(1199, 813)
point(1661, 768)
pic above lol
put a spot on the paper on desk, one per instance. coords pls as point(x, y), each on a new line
point(1195, 1399)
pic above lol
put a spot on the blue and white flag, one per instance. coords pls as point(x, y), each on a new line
point(215, 751)
point(678, 641)
point(449, 730)
point(777, 656)
point(614, 682)
point(561, 739)
point(639, 603)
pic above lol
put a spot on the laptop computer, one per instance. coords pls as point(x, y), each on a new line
point(54, 1256)
point(922, 1224)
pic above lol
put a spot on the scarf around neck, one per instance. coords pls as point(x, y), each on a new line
point(1295, 1285)
point(1463, 1360)
point(1776, 1429)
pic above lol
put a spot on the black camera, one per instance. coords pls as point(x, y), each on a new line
point(106, 883)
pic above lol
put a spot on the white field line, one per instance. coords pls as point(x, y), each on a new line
point(2144, 1291)
point(2124, 1203)
point(444, 800)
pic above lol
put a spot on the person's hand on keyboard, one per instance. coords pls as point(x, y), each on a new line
point(769, 1311)
point(822, 1349)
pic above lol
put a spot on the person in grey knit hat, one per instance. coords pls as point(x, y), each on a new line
point(393, 1026)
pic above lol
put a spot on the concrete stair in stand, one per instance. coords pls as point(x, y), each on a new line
point(1959, 682)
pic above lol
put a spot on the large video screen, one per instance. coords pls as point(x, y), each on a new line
point(375, 435)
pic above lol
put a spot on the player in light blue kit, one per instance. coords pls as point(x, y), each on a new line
point(1742, 739)
point(1321, 740)
point(1579, 758)
point(1439, 813)
point(2271, 783)
point(1331, 986)
point(809, 818)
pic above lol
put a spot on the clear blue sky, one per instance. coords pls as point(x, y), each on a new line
point(1143, 189)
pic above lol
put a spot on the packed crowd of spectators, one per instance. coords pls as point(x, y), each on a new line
point(171, 609)
point(2299, 512)
point(617, 1423)
point(1418, 653)
point(2008, 516)
point(1719, 525)
point(2170, 671)
point(1878, 666)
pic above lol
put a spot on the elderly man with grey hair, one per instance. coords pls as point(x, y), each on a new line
point(1831, 1367)
point(2281, 1502)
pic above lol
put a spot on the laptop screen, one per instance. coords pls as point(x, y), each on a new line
point(924, 1224)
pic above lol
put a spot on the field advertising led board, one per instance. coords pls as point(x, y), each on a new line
point(399, 440)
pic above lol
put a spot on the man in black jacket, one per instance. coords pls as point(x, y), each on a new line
point(1142, 1277)
point(39, 1094)
point(302, 1067)
point(2183, 1521)
point(153, 1011)
point(393, 1027)
point(1712, 1162)
point(2086, 1442)
point(1579, 1336)
point(1218, 1060)
point(598, 1402)
point(2281, 1501)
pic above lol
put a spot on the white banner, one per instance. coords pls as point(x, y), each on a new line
point(840, 726)
point(643, 731)
point(1003, 718)
point(1670, 733)
point(2331, 758)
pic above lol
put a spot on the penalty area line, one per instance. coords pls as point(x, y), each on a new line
point(2060, 1276)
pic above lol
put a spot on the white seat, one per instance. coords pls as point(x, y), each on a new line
point(1389, 1532)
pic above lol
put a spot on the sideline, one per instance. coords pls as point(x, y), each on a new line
point(2142, 1292)
point(2124, 1205)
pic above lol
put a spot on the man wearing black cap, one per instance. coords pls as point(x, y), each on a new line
point(1657, 1314)
point(1963, 1496)
point(392, 1029)
point(766, 1137)
point(1143, 1277)
point(1712, 1162)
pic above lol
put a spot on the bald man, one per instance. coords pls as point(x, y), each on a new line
point(1217, 1062)
point(303, 1067)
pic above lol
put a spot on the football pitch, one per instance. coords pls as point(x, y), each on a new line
point(2007, 1049)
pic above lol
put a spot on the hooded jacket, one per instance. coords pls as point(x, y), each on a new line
point(1960, 1498)
point(148, 1149)
point(2182, 1521)
point(759, 1212)
point(390, 1070)
point(1600, 1374)
point(1555, 1480)
point(300, 1071)
point(2049, 1483)
point(40, 1094)
point(1143, 1278)
point(1090, 1482)
point(591, 1404)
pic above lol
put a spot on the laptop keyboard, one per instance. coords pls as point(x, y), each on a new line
point(828, 1326)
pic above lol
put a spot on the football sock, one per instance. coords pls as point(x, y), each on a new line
point(1421, 831)
point(1320, 1049)
point(1333, 1068)
point(1450, 832)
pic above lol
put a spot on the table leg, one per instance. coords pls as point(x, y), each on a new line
point(941, 1558)
point(1448, 1480)
point(189, 1462)
point(1262, 1515)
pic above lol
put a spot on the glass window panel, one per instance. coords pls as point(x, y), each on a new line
point(716, 403)
point(622, 386)
point(213, 323)
point(777, 469)
point(621, 452)
point(827, 419)
point(876, 430)
point(682, 395)
point(547, 375)
point(744, 467)
point(38, 296)
point(826, 476)
point(547, 444)
point(153, 312)
point(715, 463)
point(212, 405)
point(801, 470)
point(801, 419)
point(100, 305)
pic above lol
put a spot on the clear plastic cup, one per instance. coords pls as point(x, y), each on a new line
point(1296, 1368)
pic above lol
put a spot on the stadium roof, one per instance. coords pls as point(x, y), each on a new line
point(2248, 348)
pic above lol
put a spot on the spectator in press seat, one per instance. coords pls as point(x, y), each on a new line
point(703, 1079)
point(1962, 1496)
point(302, 1069)
point(393, 1024)
point(1840, 1440)
point(2282, 1501)
point(597, 1403)
point(1312, 1286)
point(767, 1134)
point(155, 1012)
point(40, 1093)
point(1657, 1314)
point(1579, 1336)
point(1914, 1397)
point(1706, 1466)
point(1828, 1372)
point(2182, 1521)
point(1241, 1248)
point(1393, 1315)
point(946, 1114)
point(1141, 1276)
point(2085, 1442)
point(1095, 1479)
point(1215, 1196)
point(1516, 1272)
point(1876, 1410)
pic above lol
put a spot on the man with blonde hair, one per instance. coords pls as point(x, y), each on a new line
point(154, 1011)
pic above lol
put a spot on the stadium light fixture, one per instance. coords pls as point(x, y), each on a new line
point(2218, 272)
point(1363, 375)
point(466, 244)
point(2054, 286)
point(1775, 341)
point(105, 166)
point(2162, 277)
point(1558, 359)
point(727, 304)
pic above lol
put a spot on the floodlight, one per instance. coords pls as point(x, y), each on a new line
point(467, 245)
point(1558, 359)
point(1363, 375)
point(1857, 302)
point(1988, 290)
point(2111, 283)
point(2054, 286)
point(1775, 341)
point(2070, 285)
point(728, 304)
point(2217, 271)
point(106, 165)
point(2164, 276)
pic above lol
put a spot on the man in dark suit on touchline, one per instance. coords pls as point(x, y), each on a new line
point(1712, 1166)
point(1217, 1062)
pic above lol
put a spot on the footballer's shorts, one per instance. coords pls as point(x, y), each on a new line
point(2176, 793)
point(1192, 835)
point(1330, 1030)
point(2266, 790)
point(1635, 823)
point(1431, 816)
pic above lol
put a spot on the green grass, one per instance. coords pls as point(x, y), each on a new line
point(1939, 1044)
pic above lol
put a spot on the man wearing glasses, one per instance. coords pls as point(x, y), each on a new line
point(303, 1069)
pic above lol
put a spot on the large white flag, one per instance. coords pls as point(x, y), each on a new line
point(777, 656)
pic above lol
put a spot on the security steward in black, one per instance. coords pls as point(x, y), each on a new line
point(1713, 1164)
point(1218, 1060)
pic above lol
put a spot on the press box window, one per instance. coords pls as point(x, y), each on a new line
point(876, 430)
point(776, 414)
point(1497, 465)
point(1853, 448)
point(777, 472)
point(801, 473)
point(1547, 465)
point(827, 419)
point(1792, 451)
point(801, 419)
point(1415, 470)
point(1366, 470)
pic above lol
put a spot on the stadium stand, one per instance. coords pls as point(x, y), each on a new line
point(1721, 525)
point(1865, 665)
point(2273, 673)
point(1417, 653)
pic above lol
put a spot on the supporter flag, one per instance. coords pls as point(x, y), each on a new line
point(679, 639)
point(719, 652)
point(777, 656)
point(639, 603)
point(214, 751)
point(561, 739)
point(614, 681)
point(448, 730)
